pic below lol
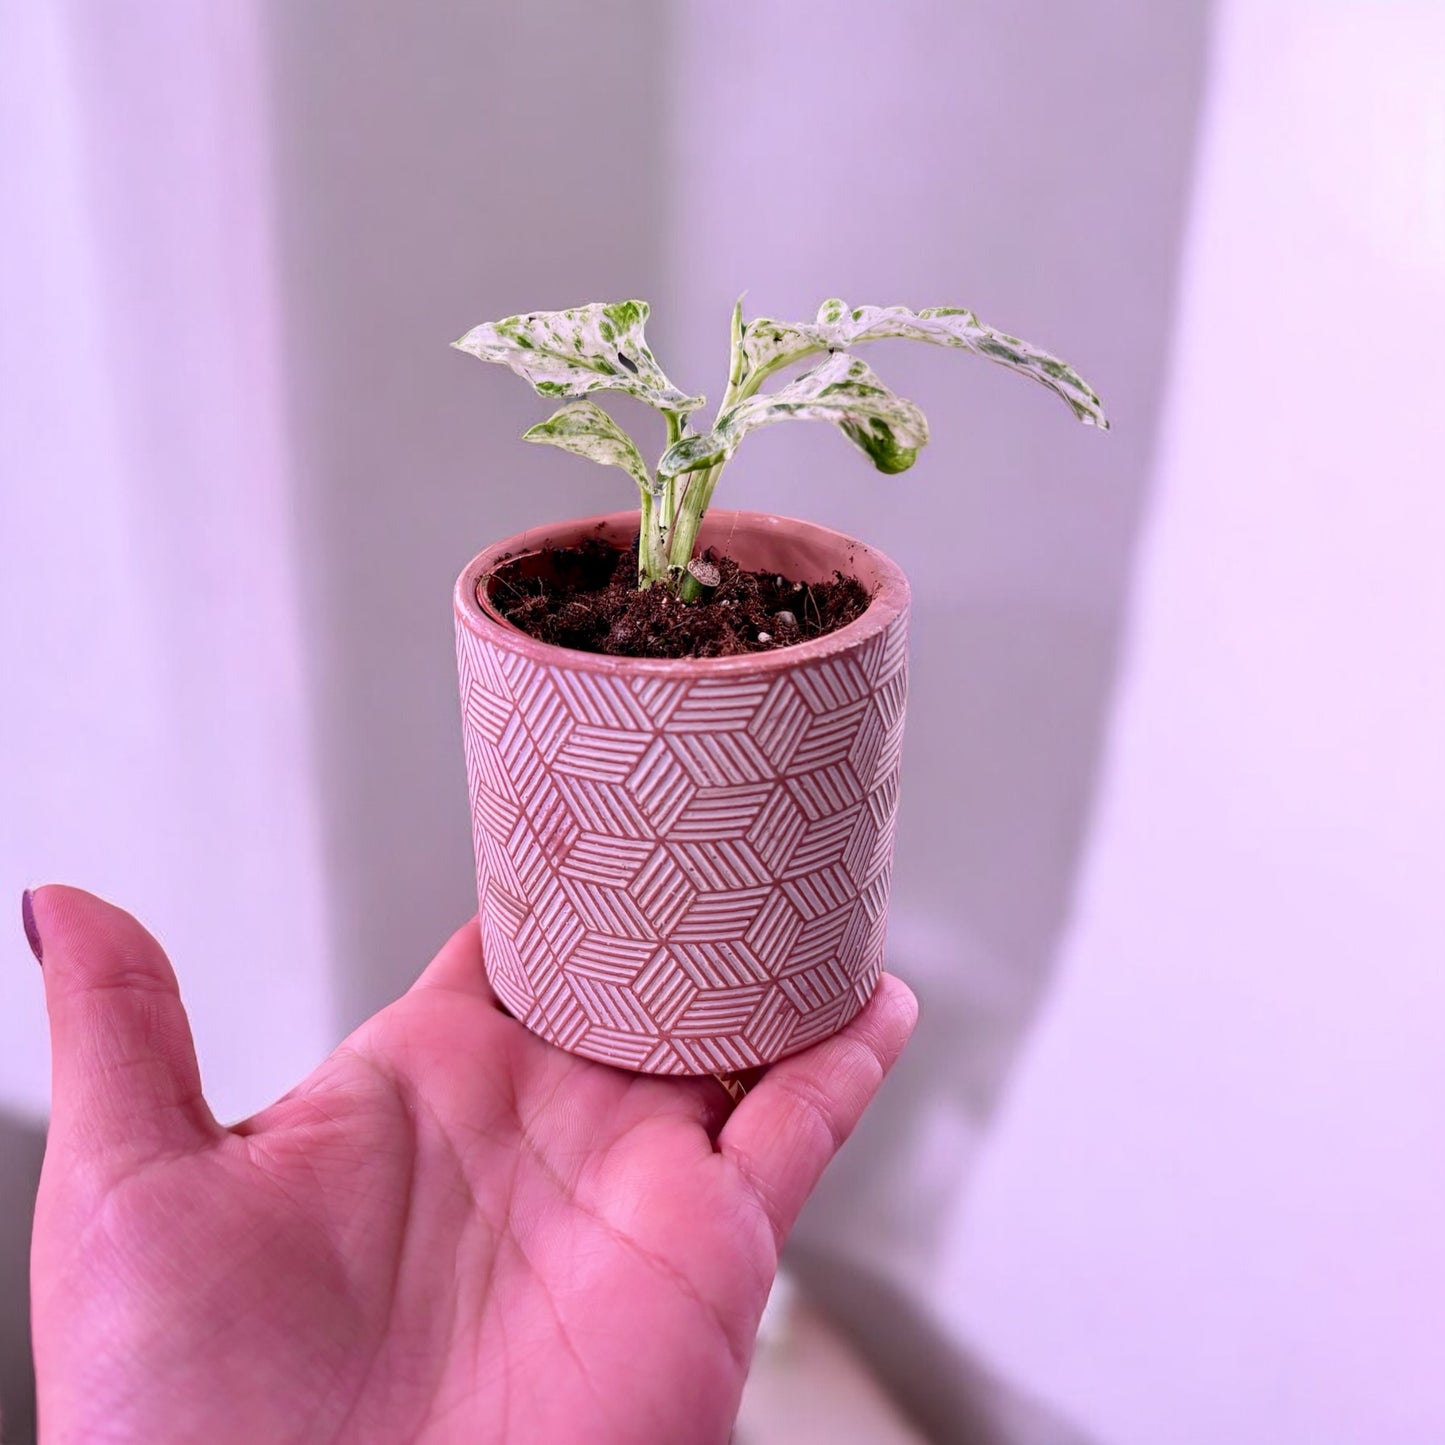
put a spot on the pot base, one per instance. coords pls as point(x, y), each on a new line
point(706, 1054)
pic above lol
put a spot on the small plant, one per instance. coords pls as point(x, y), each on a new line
point(602, 348)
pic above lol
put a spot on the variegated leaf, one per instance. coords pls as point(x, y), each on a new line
point(843, 390)
point(769, 345)
point(955, 326)
point(583, 428)
point(588, 348)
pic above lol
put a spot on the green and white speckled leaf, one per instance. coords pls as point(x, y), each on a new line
point(583, 428)
point(954, 326)
point(769, 345)
point(588, 348)
point(843, 390)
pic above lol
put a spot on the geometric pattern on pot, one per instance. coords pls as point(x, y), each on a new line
point(683, 874)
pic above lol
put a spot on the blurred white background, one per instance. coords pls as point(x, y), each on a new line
point(1167, 1160)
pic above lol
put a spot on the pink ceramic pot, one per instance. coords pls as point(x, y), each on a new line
point(683, 866)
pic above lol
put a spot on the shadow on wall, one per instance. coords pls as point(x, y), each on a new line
point(1070, 211)
point(22, 1147)
point(427, 184)
point(948, 1395)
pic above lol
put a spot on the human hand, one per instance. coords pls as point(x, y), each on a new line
point(450, 1232)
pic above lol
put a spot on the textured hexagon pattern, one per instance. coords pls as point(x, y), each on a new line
point(686, 874)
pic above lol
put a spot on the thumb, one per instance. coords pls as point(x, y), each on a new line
point(796, 1118)
point(124, 1079)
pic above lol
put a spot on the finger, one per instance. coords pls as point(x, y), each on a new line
point(124, 1077)
point(787, 1130)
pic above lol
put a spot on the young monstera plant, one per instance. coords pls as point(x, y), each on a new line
point(603, 348)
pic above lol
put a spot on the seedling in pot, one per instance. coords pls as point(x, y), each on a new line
point(603, 348)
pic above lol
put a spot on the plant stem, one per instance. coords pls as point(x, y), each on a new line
point(676, 425)
point(682, 526)
point(660, 512)
point(699, 492)
point(645, 547)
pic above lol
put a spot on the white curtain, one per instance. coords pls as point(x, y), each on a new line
point(155, 740)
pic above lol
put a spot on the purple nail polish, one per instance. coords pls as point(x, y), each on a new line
point(32, 933)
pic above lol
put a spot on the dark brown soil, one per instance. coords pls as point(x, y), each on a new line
point(586, 598)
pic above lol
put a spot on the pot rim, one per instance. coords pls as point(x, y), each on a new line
point(890, 598)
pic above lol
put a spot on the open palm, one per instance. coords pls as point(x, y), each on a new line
point(450, 1231)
